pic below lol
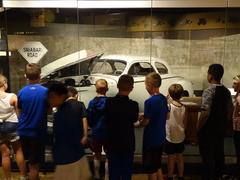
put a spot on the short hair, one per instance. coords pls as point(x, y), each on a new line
point(125, 83)
point(154, 79)
point(101, 86)
point(175, 91)
point(72, 92)
point(32, 71)
point(217, 71)
point(58, 88)
point(3, 80)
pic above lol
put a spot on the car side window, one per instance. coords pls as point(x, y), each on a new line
point(140, 69)
point(162, 69)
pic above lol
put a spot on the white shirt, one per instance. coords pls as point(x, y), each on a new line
point(7, 112)
point(174, 125)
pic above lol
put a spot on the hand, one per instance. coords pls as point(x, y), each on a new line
point(84, 140)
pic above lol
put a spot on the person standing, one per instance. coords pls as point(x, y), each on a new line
point(8, 131)
point(236, 122)
point(32, 127)
point(121, 114)
point(96, 120)
point(216, 112)
point(175, 134)
point(154, 119)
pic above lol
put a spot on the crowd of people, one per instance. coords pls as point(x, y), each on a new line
point(23, 127)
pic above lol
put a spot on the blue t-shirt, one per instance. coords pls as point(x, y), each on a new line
point(32, 100)
point(96, 117)
point(67, 132)
point(155, 109)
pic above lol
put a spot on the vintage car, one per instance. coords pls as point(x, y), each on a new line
point(86, 69)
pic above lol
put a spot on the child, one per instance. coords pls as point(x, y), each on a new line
point(236, 121)
point(96, 120)
point(121, 113)
point(8, 131)
point(68, 152)
point(32, 106)
point(155, 115)
point(175, 135)
point(215, 114)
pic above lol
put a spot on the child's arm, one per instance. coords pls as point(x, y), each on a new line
point(185, 118)
point(14, 103)
point(85, 131)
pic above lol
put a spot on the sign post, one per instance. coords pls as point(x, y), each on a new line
point(33, 51)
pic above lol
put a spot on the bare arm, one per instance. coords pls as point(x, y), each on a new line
point(14, 103)
point(85, 131)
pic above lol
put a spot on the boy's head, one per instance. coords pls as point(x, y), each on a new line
point(3, 82)
point(32, 71)
point(57, 94)
point(153, 81)
point(215, 72)
point(236, 83)
point(101, 86)
point(125, 83)
point(72, 92)
point(175, 91)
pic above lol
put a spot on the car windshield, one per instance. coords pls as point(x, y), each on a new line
point(107, 66)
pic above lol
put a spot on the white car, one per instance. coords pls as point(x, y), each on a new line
point(83, 73)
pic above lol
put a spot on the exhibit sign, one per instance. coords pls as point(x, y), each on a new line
point(32, 51)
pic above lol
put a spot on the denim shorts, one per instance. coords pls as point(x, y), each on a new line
point(8, 132)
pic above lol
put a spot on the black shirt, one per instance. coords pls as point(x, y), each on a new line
point(121, 113)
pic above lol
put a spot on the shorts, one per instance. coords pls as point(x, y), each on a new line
point(152, 158)
point(174, 148)
point(33, 149)
point(8, 132)
point(97, 146)
point(73, 171)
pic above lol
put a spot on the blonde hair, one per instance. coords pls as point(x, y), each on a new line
point(237, 78)
point(32, 71)
point(101, 86)
point(154, 79)
point(3, 80)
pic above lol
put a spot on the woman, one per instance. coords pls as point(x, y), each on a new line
point(236, 120)
point(8, 131)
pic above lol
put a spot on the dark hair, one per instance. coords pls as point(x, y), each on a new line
point(175, 91)
point(217, 71)
point(72, 91)
point(32, 71)
point(58, 88)
point(125, 83)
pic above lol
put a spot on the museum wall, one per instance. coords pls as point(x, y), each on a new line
point(187, 39)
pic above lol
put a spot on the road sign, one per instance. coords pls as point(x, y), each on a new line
point(33, 51)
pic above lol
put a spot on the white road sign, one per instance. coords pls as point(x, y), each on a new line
point(33, 51)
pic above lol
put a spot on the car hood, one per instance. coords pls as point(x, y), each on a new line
point(68, 60)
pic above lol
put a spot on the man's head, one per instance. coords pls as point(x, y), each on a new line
point(236, 83)
point(32, 71)
point(215, 72)
point(153, 82)
point(3, 82)
point(125, 83)
point(72, 92)
point(57, 94)
point(175, 91)
point(101, 86)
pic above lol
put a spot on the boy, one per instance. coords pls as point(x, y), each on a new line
point(175, 135)
point(32, 107)
point(96, 120)
point(121, 113)
point(68, 152)
point(155, 115)
point(216, 111)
